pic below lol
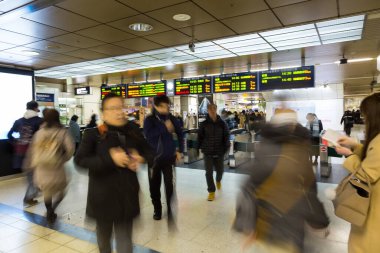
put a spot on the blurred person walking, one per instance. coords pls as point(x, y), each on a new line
point(26, 126)
point(112, 154)
point(50, 149)
point(159, 128)
point(74, 130)
point(92, 122)
point(315, 127)
point(214, 141)
point(366, 157)
point(348, 122)
point(281, 193)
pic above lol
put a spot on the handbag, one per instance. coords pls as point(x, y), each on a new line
point(353, 198)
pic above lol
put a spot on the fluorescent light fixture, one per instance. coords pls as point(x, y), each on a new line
point(29, 52)
point(338, 35)
point(212, 48)
point(340, 21)
point(257, 70)
point(344, 39)
point(92, 67)
point(294, 35)
point(153, 62)
point(255, 51)
point(244, 43)
point(212, 53)
point(288, 30)
point(313, 39)
point(238, 38)
point(341, 27)
point(311, 44)
point(251, 48)
point(128, 56)
point(219, 56)
point(356, 60)
point(160, 51)
point(140, 27)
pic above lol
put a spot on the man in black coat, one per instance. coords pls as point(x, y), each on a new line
point(214, 141)
point(112, 153)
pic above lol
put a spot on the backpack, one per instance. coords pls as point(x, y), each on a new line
point(48, 151)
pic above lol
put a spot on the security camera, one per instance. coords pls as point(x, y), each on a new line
point(192, 46)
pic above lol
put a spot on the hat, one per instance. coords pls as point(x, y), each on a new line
point(32, 105)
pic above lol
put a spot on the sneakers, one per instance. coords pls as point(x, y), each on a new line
point(219, 185)
point(211, 196)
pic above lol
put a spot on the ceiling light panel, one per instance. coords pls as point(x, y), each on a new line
point(341, 27)
point(341, 21)
point(160, 51)
point(243, 43)
point(169, 55)
point(255, 51)
point(153, 62)
point(219, 56)
point(251, 48)
point(293, 35)
point(325, 42)
point(288, 30)
point(129, 56)
point(338, 35)
point(212, 48)
point(213, 53)
point(238, 38)
point(139, 60)
point(298, 46)
point(295, 41)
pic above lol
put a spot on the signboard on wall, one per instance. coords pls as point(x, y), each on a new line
point(191, 86)
point(302, 77)
point(82, 90)
point(119, 89)
point(44, 97)
point(149, 89)
point(237, 82)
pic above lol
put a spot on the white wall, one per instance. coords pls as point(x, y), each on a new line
point(327, 103)
point(91, 104)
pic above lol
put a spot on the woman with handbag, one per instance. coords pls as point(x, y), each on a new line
point(365, 159)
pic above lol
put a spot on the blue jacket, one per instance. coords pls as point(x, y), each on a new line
point(74, 130)
point(159, 138)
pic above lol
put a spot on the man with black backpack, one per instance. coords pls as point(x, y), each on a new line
point(159, 128)
point(26, 126)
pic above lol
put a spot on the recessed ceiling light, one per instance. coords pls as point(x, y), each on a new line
point(182, 17)
point(30, 53)
point(140, 27)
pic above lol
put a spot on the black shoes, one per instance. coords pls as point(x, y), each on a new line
point(51, 217)
point(157, 215)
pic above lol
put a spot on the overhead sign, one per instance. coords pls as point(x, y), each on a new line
point(238, 82)
point(149, 89)
point(189, 86)
point(82, 90)
point(119, 89)
point(44, 97)
point(302, 77)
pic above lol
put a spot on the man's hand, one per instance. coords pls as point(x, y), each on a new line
point(169, 126)
point(178, 157)
point(119, 157)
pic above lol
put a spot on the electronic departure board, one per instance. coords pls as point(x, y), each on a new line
point(302, 77)
point(149, 89)
point(188, 86)
point(238, 82)
point(119, 89)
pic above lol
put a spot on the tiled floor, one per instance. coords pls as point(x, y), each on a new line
point(202, 226)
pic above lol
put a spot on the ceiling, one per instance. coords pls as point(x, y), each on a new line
point(76, 31)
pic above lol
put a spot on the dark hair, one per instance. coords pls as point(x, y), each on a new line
point(161, 100)
point(107, 97)
point(370, 108)
point(32, 105)
point(51, 118)
point(74, 118)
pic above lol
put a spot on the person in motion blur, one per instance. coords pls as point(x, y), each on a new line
point(92, 122)
point(112, 154)
point(365, 239)
point(348, 122)
point(315, 127)
point(51, 147)
point(214, 141)
point(26, 126)
point(283, 188)
point(159, 128)
point(74, 130)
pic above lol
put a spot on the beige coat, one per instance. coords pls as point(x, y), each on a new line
point(52, 179)
point(366, 239)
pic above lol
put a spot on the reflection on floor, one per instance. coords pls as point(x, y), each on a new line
point(203, 226)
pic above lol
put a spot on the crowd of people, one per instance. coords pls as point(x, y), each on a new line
point(277, 199)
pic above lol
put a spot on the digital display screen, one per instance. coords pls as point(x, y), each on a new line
point(149, 89)
point(119, 89)
point(188, 86)
point(238, 82)
point(82, 91)
point(302, 77)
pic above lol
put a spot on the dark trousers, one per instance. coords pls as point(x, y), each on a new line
point(347, 129)
point(210, 163)
point(166, 168)
point(123, 236)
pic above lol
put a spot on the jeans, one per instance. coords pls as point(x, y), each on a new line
point(167, 169)
point(210, 163)
point(123, 236)
point(32, 190)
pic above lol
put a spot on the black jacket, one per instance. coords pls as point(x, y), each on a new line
point(113, 192)
point(213, 137)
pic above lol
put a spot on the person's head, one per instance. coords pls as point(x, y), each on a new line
point(310, 117)
point(93, 117)
point(51, 118)
point(162, 104)
point(74, 118)
point(113, 110)
point(211, 110)
point(243, 111)
point(32, 105)
point(370, 109)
